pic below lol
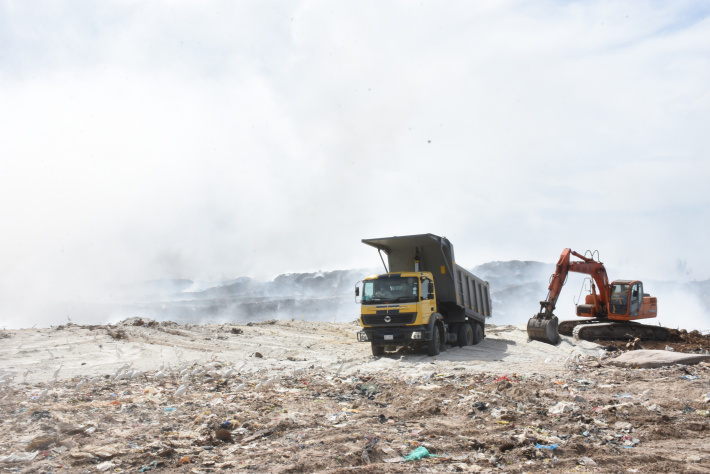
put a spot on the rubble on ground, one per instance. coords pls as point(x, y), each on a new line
point(287, 413)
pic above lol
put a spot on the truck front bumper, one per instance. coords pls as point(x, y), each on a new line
point(394, 336)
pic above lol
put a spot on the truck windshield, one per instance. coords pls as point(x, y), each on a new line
point(391, 290)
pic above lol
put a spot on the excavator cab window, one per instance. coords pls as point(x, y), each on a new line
point(619, 298)
point(636, 296)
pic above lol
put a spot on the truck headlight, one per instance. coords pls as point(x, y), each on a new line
point(417, 335)
point(362, 336)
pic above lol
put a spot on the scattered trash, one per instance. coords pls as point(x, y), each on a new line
point(127, 418)
point(18, 457)
point(419, 453)
point(105, 466)
point(149, 467)
point(623, 426)
point(480, 406)
point(562, 407)
point(40, 414)
point(368, 388)
point(547, 446)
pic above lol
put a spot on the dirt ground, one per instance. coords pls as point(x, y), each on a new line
point(295, 396)
point(679, 340)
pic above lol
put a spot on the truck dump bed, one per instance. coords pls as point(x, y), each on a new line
point(456, 288)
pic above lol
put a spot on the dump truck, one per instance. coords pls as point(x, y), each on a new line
point(424, 300)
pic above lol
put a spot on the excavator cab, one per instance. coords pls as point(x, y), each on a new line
point(619, 298)
point(627, 301)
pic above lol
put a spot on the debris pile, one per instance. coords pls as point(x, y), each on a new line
point(216, 417)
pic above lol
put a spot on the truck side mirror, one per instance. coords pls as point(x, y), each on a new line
point(357, 291)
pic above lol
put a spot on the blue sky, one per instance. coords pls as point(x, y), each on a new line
point(210, 140)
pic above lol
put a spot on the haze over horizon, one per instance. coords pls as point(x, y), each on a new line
point(217, 139)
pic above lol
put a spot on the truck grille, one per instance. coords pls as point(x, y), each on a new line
point(396, 319)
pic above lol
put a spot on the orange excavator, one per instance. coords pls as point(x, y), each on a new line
point(610, 311)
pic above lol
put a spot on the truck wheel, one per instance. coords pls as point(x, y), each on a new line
point(478, 333)
point(434, 346)
point(465, 335)
point(377, 351)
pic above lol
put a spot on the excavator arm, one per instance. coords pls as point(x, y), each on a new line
point(557, 281)
point(543, 326)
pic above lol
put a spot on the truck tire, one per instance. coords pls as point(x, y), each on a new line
point(377, 351)
point(464, 335)
point(434, 345)
point(478, 333)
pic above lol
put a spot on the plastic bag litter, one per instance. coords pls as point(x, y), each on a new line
point(105, 466)
point(419, 453)
point(21, 457)
point(623, 426)
point(562, 407)
point(149, 467)
point(547, 446)
point(369, 388)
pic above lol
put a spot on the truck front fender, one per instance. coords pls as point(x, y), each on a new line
point(433, 319)
point(448, 337)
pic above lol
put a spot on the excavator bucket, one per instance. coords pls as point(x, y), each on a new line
point(543, 329)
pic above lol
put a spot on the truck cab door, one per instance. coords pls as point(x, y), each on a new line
point(427, 301)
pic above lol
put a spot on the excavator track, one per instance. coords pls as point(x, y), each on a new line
point(567, 327)
point(617, 330)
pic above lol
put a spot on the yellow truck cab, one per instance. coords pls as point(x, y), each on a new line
point(424, 299)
